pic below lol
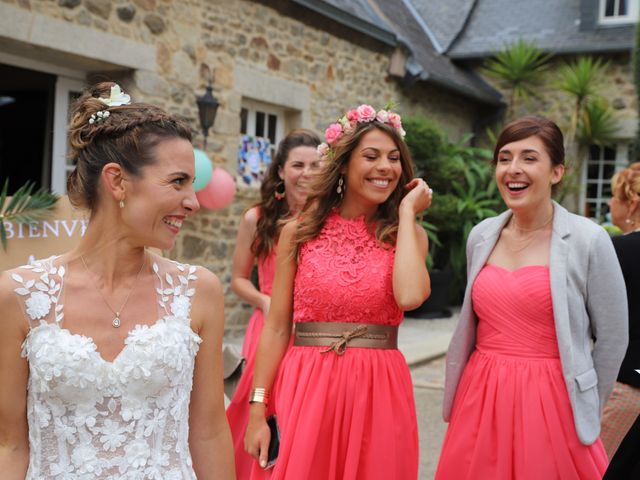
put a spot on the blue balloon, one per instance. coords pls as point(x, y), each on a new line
point(204, 170)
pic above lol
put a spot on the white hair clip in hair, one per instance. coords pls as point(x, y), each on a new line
point(116, 98)
point(98, 116)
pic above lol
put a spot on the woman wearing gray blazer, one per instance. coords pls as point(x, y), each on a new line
point(542, 329)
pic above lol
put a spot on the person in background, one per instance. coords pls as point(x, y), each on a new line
point(542, 329)
point(623, 406)
point(347, 268)
point(110, 360)
point(283, 194)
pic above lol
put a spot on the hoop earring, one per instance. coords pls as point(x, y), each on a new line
point(341, 188)
point(282, 194)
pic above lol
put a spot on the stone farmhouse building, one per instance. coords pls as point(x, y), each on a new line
point(277, 65)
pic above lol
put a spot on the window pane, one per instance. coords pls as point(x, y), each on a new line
point(273, 120)
point(606, 190)
point(244, 113)
point(590, 209)
point(622, 7)
point(609, 153)
point(595, 152)
point(592, 170)
point(608, 171)
point(608, 9)
point(260, 124)
point(592, 190)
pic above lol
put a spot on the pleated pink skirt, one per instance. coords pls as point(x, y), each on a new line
point(512, 419)
point(349, 417)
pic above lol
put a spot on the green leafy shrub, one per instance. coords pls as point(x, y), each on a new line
point(461, 177)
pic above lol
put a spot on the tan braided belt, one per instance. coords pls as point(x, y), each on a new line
point(336, 336)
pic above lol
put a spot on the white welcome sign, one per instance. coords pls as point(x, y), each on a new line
point(58, 233)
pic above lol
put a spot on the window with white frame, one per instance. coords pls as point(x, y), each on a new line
point(614, 12)
point(261, 129)
point(67, 91)
point(600, 166)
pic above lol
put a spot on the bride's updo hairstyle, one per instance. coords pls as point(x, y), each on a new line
point(105, 128)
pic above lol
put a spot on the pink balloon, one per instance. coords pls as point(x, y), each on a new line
point(219, 192)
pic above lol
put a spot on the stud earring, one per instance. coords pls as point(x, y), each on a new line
point(341, 188)
point(280, 194)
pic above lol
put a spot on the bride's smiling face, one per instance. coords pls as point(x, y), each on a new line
point(162, 197)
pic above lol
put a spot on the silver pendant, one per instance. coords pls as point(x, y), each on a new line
point(116, 322)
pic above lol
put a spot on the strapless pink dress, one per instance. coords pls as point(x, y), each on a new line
point(238, 410)
point(349, 417)
point(512, 417)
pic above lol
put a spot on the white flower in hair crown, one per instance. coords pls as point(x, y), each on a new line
point(116, 98)
point(362, 114)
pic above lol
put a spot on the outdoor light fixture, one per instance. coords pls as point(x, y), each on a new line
point(207, 109)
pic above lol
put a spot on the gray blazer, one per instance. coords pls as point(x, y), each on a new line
point(589, 305)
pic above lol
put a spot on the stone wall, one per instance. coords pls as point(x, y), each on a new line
point(326, 74)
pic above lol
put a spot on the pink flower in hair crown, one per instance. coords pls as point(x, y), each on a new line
point(332, 133)
point(366, 113)
point(352, 116)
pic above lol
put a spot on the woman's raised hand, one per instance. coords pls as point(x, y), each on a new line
point(419, 196)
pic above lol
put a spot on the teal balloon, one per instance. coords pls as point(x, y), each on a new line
point(204, 170)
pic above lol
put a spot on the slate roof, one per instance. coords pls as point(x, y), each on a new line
point(394, 23)
point(429, 65)
point(445, 18)
point(559, 26)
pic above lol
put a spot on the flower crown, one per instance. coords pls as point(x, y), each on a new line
point(116, 98)
point(346, 124)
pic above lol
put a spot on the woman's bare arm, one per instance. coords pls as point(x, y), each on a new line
point(243, 262)
point(273, 341)
point(14, 374)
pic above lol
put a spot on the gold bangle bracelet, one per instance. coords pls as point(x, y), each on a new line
point(259, 395)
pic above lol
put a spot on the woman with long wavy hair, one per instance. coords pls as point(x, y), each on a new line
point(346, 269)
point(283, 193)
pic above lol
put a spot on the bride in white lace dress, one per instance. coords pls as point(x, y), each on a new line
point(110, 359)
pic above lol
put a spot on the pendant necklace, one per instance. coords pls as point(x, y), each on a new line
point(116, 320)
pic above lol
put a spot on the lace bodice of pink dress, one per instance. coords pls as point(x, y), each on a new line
point(345, 275)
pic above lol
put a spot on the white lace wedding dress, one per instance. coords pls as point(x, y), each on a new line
point(90, 418)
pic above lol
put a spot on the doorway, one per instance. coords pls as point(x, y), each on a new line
point(26, 126)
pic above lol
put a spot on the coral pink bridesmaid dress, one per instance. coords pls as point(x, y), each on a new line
point(238, 410)
point(347, 417)
point(512, 417)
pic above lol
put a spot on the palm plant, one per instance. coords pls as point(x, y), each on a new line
point(597, 124)
point(518, 67)
point(25, 206)
point(581, 80)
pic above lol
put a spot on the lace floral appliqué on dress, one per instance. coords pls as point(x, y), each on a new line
point(125, 419)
